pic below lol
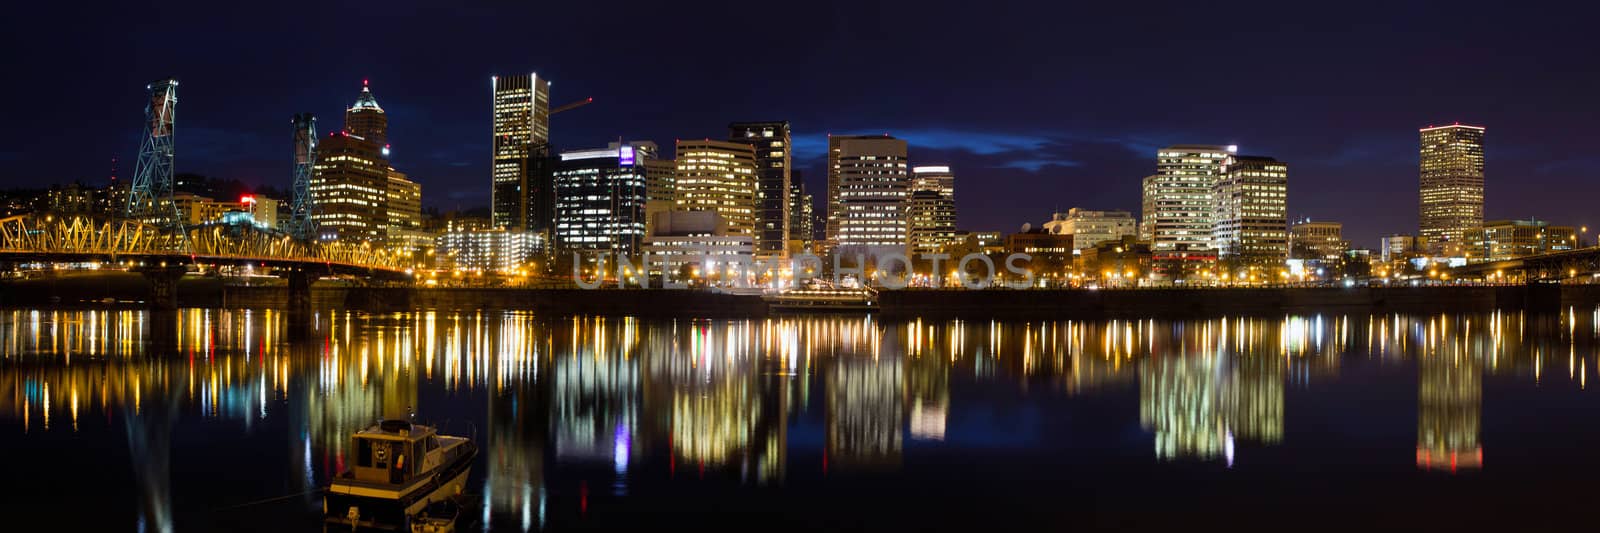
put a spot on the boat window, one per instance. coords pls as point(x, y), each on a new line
point(416, 452)
point(433, 442)
point(364, 453)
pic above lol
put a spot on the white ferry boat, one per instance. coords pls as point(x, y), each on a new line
point(397, 469)
point(823, 297)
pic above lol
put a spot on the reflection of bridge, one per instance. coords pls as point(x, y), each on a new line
point(164, 254)
point(1550, 266)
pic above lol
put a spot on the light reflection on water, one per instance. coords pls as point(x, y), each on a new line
point(717, 400)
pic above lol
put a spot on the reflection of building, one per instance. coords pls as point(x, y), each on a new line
point(865, 411)
point(1197, 405)
point(927, 383)
point(595, 409)
point(1451, 168)
point(1449, 407)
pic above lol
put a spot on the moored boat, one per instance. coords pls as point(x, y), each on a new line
point(396, 470)
point(823, 297)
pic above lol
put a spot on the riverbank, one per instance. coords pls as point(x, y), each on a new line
point(123, 289)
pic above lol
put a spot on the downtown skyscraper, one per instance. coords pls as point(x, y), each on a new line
point(600, 198)
point(770, 140)
point(1451, 179)
point(931, 209)
point(1251, 213)
point(718, 176)
point(350, 181)
point(1178, 201)
point(522, 195)
point(868, 185)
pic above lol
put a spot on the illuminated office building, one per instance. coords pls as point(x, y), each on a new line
point(868, 185)
point(404, 202)
point(1451, 169)
point(468, 246)
point(522, 196)
point(350, 181)
point(719, 176)
point(801, 217)
point(1251, 214)
point(600, 198)
point(1090, 228)
point(1178, 207)
point(1510, 239)
point(931, 209)
point(770, 140)
point(1317, 240)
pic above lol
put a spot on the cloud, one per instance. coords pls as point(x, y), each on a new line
point(1033, 151)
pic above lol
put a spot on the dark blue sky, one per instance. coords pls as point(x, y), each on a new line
point(1038, 106)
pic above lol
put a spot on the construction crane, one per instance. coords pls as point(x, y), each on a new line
point(572, 106)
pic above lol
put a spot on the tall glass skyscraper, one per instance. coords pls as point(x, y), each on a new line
point(770, 140)
point(1451, 199)
point(600, 198)
point(521, 194)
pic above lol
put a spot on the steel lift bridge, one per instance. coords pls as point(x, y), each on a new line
point(151, 238)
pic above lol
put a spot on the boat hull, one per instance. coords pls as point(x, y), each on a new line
point(349, 506)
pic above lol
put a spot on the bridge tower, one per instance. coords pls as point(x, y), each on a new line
point(301, 224)
point(150, 196)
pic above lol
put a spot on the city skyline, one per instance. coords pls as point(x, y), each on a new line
point(1088, 149)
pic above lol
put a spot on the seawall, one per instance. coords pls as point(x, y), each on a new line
point(122, 289)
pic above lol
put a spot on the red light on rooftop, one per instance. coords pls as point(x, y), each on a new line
point(247, 199)
point(363, 82)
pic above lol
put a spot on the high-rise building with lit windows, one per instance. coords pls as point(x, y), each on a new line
point(1178, 202)
point(931, 209)
point(1090, 228)
point(1251, 221)
point(600, 198)
point(771, 143)
point(404, 199)
point(350, 181)
point(522, 196)
point(719, 176)
point(1451, 199)
point(868, 185)
point(801, 218)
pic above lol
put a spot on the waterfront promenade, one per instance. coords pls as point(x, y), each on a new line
point(122, 289)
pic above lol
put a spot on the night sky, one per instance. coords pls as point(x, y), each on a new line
point(1037, 106)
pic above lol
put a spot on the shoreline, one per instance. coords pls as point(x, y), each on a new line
point(123, 291)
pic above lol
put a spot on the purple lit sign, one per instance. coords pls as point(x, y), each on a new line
point(625, 156)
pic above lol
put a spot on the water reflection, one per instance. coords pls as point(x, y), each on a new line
point(614, 399)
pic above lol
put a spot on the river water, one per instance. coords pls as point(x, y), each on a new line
point(230, 420)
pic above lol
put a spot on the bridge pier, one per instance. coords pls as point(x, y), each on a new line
point(299, 304)
point(163, 285)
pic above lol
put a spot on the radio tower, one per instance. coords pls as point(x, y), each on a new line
point(301, 226)
point(150, 197)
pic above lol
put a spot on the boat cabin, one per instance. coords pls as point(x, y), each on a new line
point(395, 452)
